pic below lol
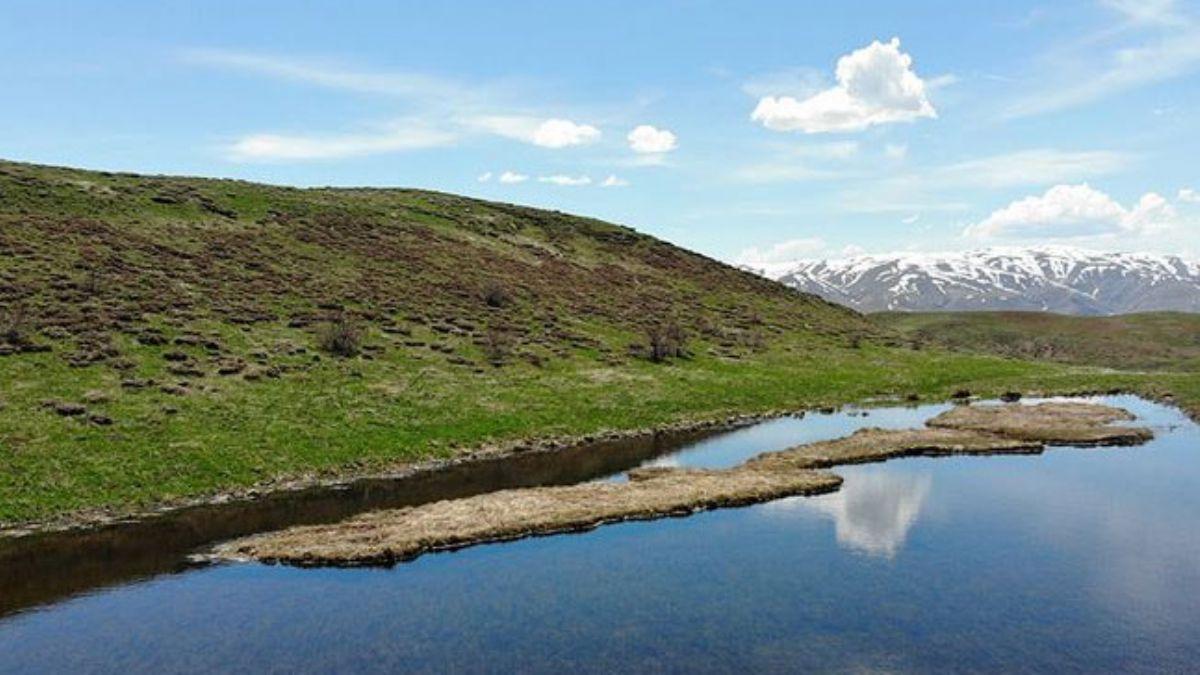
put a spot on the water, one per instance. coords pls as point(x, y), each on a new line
point(1076, 560)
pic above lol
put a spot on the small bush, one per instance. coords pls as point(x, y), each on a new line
point(755, 339)
point(496, 295)
point(340, 338)
point(14, 326)
point(665, 341)
point(498, 345)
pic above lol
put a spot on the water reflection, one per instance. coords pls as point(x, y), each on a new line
point(872, 513)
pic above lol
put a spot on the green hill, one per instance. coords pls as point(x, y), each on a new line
point(1161, 341)
point(169, 338)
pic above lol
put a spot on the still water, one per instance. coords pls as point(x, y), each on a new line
point(1075, 560)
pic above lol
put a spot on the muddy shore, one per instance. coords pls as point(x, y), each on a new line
point(389, 536)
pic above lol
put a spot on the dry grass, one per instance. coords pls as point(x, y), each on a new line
point(1056, 422)
point(389, 536)
point(386, 537)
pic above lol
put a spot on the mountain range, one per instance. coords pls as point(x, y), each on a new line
point(1051, 279)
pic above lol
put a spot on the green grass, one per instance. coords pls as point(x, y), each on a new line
point(1165, 341)
point(102, 270)
point(354, 415)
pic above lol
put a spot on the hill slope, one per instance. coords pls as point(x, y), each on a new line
point(88, 254)
point(1061, 280)
point(1154, 341)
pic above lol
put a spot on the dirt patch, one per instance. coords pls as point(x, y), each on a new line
point(386, 537)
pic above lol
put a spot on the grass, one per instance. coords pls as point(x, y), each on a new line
point(1163, 341)
point(184, 315)
point(363, 415)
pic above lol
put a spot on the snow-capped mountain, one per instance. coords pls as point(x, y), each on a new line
point(1062, 280)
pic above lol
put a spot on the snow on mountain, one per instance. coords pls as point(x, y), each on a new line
point(1053, 279)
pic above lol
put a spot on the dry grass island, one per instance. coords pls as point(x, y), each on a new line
point(387, 537)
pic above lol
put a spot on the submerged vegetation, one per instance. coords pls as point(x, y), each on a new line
point(165, 339)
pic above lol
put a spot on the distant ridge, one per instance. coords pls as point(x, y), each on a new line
point(1052, 279)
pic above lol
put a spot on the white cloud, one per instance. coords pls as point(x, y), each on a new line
point(512, 177)
point(1074, 211)
point(564, 180)
point(646, 139)
point(333, 76)
point(875, 85)
point(557, 133)
point(443, 103)
point(1147, 12)
point(779, 257)
point(895, 151)
point(909, 220)
point(1030, 167)
point(1154, 42)
point(1188, 195)
point(936, 188)
point(614, 181)
point(547, 133)
point(399, 137)
point(484, 177)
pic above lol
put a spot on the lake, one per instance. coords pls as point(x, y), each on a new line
point(1074, 560)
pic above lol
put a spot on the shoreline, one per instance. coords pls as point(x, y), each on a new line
point(97, 519)
point(390, 536)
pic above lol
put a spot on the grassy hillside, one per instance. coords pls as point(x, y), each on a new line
point(165, 338)
point(1162, 341)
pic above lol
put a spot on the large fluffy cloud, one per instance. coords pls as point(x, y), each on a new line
point(1074, 211)
point(875, 85)
point(649, 140)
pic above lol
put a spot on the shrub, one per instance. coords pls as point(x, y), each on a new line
point(14, 326)
point(665, 341)
point(496, 295)
point(340, 338)
point(498, 345)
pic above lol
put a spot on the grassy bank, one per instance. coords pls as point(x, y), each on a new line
point(356, 415)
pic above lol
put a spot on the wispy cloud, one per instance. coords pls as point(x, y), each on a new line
point(400, 137)
point(512, 177)
point(778, 257)
point(410, 85)
point(547, 133)
point(799, 163)
point(938, 188)
point(565, 180)
point(442, 110)
point(1153, 41)
point(1036, 166)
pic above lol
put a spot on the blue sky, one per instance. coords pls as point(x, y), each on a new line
point(752, 132)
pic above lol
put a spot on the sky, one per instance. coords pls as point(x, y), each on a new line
point(753, 132)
